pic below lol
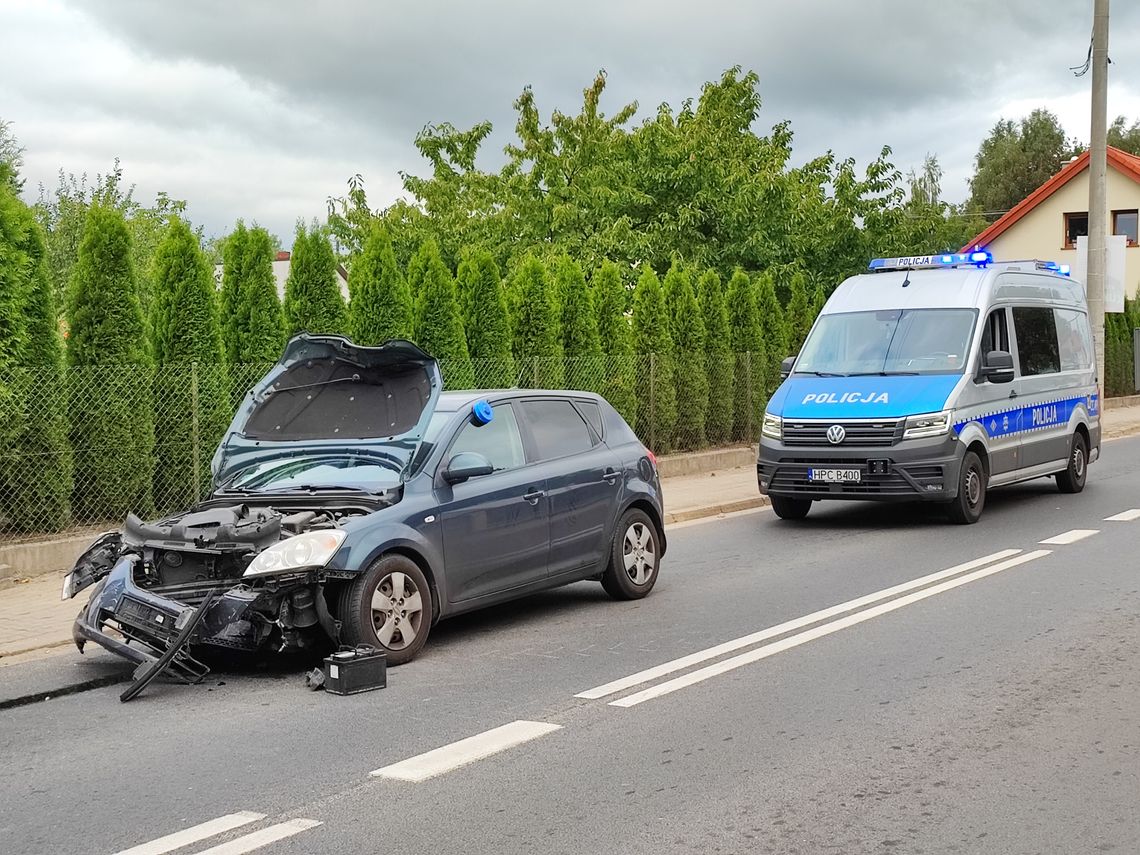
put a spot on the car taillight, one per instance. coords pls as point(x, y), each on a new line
point(652, 457)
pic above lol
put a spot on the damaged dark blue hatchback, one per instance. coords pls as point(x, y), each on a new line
point(355, 503)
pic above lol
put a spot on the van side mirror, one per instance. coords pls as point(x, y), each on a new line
point(997, 367)
point(786, 367)
point(466, 464)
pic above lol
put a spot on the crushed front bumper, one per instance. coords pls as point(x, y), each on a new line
point(909, 470)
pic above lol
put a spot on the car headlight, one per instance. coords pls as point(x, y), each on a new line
point(312, 549)
point(773, 426)
point(929, 424)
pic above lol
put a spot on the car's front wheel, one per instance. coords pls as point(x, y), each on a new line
point(635, 557)
point(388, 607)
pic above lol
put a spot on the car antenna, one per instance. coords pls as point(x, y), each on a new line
point(906, 278)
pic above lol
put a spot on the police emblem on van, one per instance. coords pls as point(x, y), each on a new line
point(836, 434)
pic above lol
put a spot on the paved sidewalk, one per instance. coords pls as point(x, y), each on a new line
point(32, 617)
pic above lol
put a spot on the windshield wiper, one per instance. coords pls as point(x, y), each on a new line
point(822, 373)
point(313, 488)
point(885, 374)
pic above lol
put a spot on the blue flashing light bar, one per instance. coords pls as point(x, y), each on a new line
point(1062, 269)
point(979, 258)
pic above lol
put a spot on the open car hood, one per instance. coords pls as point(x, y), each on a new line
point(326, 394)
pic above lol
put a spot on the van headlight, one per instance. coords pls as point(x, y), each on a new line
point(773, 426)
point(311, 549)
point(930, 424)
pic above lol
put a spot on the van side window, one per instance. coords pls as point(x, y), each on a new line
point(1037, 347)
point(1075, 339)
point(996, 335)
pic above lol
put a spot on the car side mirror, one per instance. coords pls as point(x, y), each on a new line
point(786, 367)
point(997, 367)
point(466, 464)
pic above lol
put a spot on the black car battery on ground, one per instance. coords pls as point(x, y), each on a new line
point(362, 669)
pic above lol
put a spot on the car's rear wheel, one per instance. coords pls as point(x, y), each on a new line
point(635, 557)
point(966, 507)
point(787, 508)
point(389, 608)
point(1072, 480)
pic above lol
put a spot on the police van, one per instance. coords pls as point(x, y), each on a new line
point(936, 378)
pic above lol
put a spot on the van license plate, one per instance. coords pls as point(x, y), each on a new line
point(835, 476)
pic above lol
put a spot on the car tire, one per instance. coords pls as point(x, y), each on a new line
point(1072, 480)
point(966, 507)
point(385, 604)
point(635, 557)
point(787, 508)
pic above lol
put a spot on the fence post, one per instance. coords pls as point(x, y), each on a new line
point(653, 401)
point(748, 385)
point(534, 379)
point(195, 439)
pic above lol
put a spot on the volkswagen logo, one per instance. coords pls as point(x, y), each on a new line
point(836, 434)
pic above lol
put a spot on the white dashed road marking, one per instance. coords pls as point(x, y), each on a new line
point(194, 834)
point(767, 650)
point(465, 751)
point(798, 623)
point(263, 837)
point(1068, 537)
point(1124, 516)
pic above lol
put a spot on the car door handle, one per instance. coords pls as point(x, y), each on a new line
point(610, 476)
point(534, 495)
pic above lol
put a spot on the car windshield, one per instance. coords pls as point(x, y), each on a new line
point(896, 341)
point(328, 472)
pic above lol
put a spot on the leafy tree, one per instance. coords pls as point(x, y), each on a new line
point(417, 267)
point(1015, 159)
point(537, 333)
point(112, 429)
point(1124, 136)
point(259, 323)
point(16, 267)
point(800, 313)
point(773, 329)
point(439, 326)
point(580, 343)
point(751, 357)
point(616, 340)
point(232, 294)
point(719, 357)
point(488, 328)
point(381, 304)
point(313, 302)
point(687, 329)
point(191, 386)
point(653, 342)
point(11, 158)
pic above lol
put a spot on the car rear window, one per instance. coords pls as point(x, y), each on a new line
point(558, 428)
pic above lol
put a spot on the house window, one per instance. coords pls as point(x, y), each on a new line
point(1076, 225)
point(1124, 223)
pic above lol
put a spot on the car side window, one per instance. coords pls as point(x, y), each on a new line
point(996, 334)
point(1075, 338)
point(1037, 348)
point(593, 414)
point(558, 428)
point(499, 440)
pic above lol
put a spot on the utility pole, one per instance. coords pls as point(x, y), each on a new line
point(1098, 200)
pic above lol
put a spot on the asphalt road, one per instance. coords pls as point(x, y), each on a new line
point(982, 694)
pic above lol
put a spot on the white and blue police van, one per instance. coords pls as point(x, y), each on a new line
point(936, 378)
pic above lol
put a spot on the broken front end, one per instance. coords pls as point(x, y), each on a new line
point(235, 577)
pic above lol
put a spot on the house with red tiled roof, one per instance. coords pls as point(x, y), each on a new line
point(1046, 223)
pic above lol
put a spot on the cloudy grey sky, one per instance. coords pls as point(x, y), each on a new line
point(261, 109)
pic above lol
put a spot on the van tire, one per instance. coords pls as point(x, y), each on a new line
point(966, 507)
point(1072, 480)
point(787, 508)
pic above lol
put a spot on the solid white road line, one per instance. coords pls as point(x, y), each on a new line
point(262, 837)
point(449, 757)
point(771, 632)
point(1124, 516)
point(818, 632)
point(1069, 536)
point(193, 834)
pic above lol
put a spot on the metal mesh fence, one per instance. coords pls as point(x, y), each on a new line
point(82, 447)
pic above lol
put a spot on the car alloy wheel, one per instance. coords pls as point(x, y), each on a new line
point(397, 610)
point(638, 551)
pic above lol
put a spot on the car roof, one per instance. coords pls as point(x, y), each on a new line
point(953, 287)
point(461, 399)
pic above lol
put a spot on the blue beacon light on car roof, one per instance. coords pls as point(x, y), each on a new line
point(481, 413)
point(978, 257)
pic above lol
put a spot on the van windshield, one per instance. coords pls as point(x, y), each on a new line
point(895, 341)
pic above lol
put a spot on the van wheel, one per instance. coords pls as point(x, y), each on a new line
point(966, 508)
point(388, 607)
point(787, 508)
point(1072, 480)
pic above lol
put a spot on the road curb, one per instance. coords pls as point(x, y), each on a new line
point(690, 514)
